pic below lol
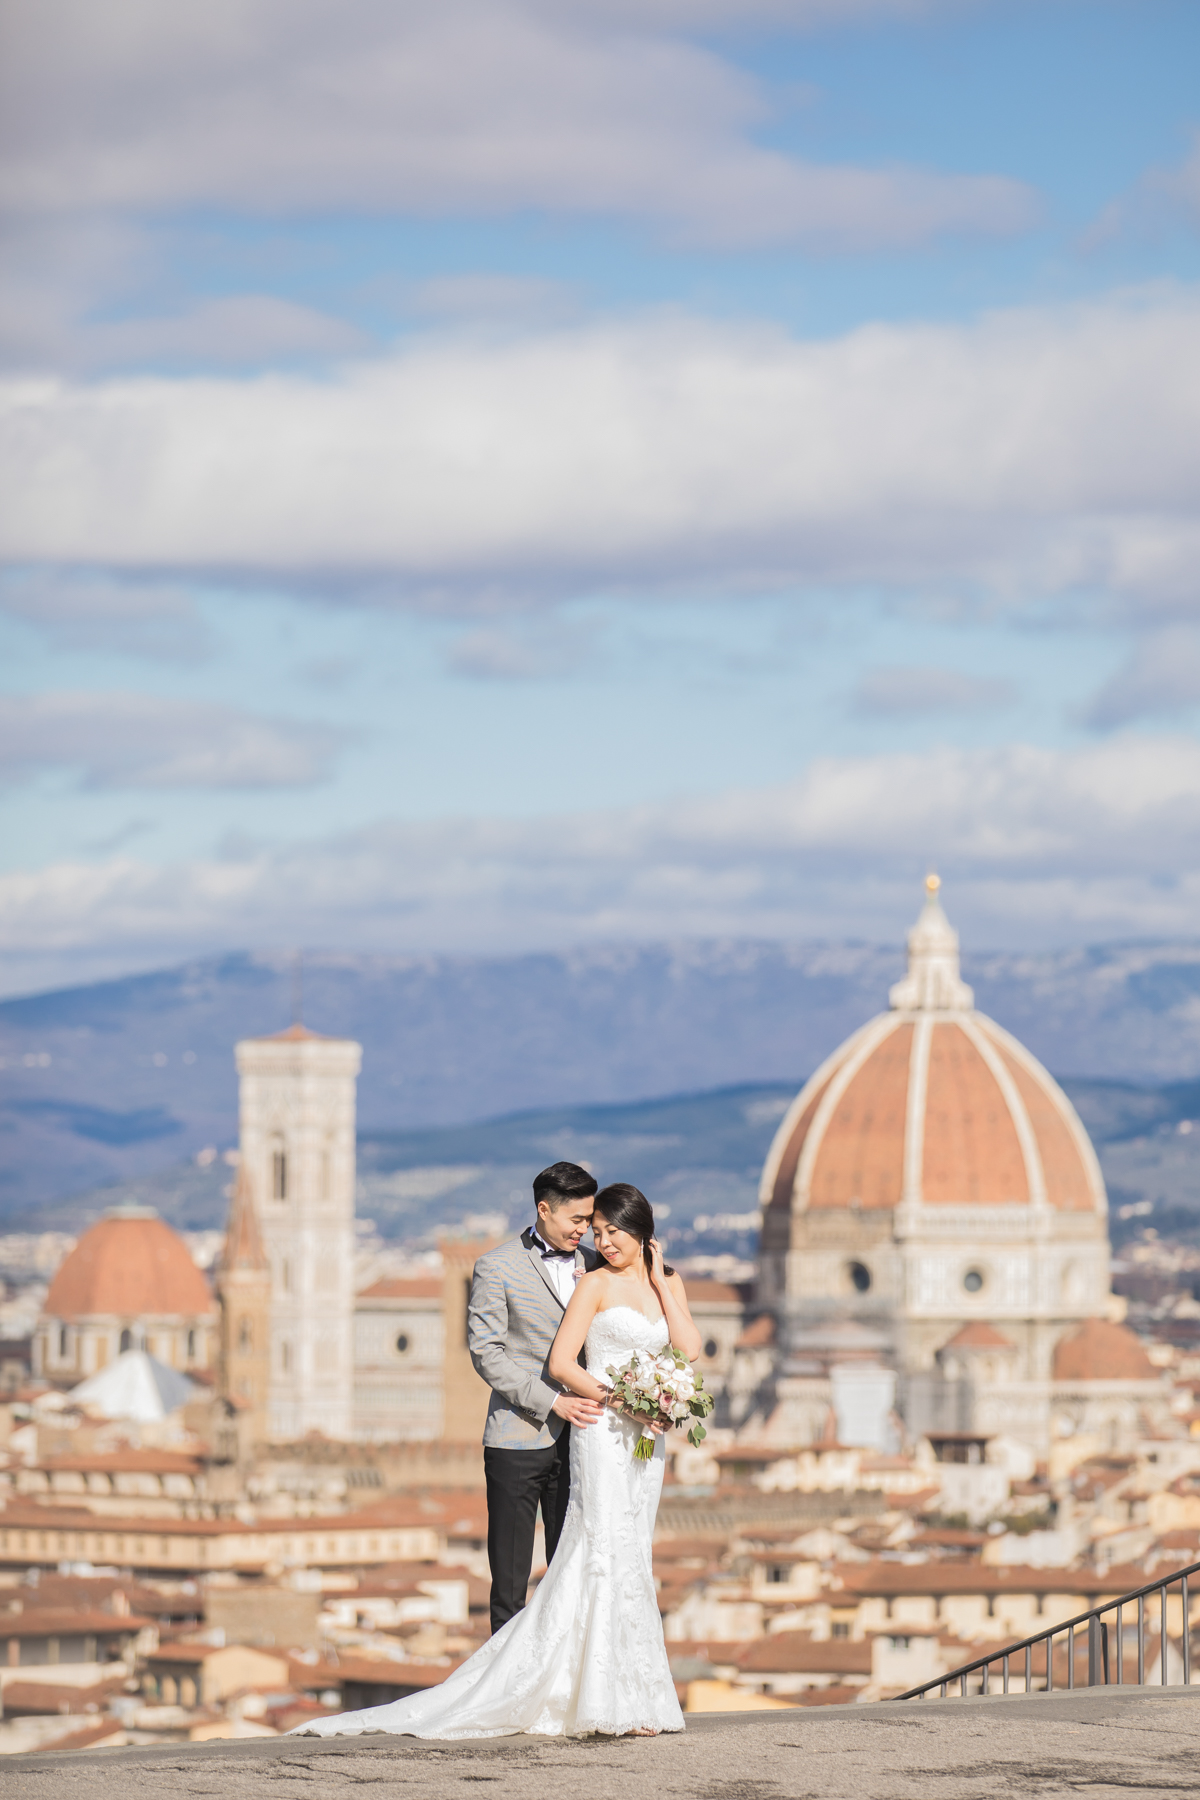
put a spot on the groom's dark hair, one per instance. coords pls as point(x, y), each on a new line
point(562, 1181)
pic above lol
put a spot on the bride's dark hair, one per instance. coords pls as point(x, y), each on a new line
point(627, 1209)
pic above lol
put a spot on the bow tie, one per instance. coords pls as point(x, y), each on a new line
point(557, 1255)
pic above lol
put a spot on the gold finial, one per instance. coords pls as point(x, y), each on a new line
point(932, 883)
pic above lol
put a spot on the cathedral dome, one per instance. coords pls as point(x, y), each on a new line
point(1102, 1351)
point(129, 1265)
point(931, 1104)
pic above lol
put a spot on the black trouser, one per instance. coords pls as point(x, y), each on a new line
point(517, 1480)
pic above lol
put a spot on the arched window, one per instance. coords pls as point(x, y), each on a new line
point(245, 1340)
point(191, 1346)
point(279, 1173)
point(126, 1340)
point(64, 1340)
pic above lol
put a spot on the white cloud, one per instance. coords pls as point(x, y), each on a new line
point(474, 107)
point(141, 741)
point(1165, 196)
point(1037, 845)
point(910, 691)
point(97, 293)
point(510, 653)
point(1160, 676)
point(1033, 452)
point(153, 619)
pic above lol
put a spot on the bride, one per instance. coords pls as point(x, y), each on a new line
point(587, 1653)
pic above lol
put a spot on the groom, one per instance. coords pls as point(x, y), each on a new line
point(519, 1293)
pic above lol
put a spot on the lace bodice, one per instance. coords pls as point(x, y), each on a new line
point(617, 1332)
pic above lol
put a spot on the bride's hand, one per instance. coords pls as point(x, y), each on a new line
point(658, 1274)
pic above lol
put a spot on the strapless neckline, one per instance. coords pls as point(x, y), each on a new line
point(603, 1312)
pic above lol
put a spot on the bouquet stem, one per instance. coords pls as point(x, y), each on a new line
point(643, 1450)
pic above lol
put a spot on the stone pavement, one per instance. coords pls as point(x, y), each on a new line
point(1098, 1744)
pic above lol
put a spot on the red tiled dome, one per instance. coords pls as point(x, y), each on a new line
point(932, 1102)
point(129, 1265)
point(1101, 1351)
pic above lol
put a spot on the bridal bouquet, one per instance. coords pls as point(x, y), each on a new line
point(664, 1389)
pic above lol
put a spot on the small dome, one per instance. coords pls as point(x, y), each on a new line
point(979, 1335)
point(1101, 1351)
point(932, 1103)
point(130, 1264)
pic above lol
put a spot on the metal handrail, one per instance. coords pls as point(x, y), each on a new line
point(1098, 1662)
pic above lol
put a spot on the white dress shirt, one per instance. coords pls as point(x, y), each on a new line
point(560, 1268)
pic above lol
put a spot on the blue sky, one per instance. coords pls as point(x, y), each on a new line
point(528, 473)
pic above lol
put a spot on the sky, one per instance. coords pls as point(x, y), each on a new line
point(500, 476)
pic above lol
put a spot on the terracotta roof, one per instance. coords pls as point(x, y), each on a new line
point(69, 1621)
point(457, 1514)
point(758, 1334)
point(129, 1267)
point(844, 1141)
point(425, 1288)
point(979, 1335)
point(384, 1671)
point(293, 1034)
point(832, 1695)
point(90, 1738)
point(701, 1292)
point(24, 1699)
point(126, 1461)
point(885, 1578)
point(796, 1653)
point(180, 1651)
point(1101, 1351)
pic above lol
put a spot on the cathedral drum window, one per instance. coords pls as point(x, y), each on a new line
point(974, 1281)
point(402, 1344)
point(859, 1277)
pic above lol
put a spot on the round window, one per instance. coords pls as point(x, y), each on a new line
point(710, 1347)
point(402, 1343)
point(973, 1281)
point(860, 1275)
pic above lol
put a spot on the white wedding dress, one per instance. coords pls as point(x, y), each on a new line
point(587, 1653)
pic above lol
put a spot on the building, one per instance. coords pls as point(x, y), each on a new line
point(129, 1284)
point(243, 1283)
point(297, 1117)
point(933, 1189)
point(399, 1354)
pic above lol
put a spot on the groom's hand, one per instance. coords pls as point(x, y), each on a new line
point(576, 1410)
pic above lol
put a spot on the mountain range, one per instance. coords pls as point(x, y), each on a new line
point(473, 1067)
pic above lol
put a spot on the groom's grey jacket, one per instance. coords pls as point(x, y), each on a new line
point(512, 1317)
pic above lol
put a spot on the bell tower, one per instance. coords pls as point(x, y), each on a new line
point(297, 1116)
